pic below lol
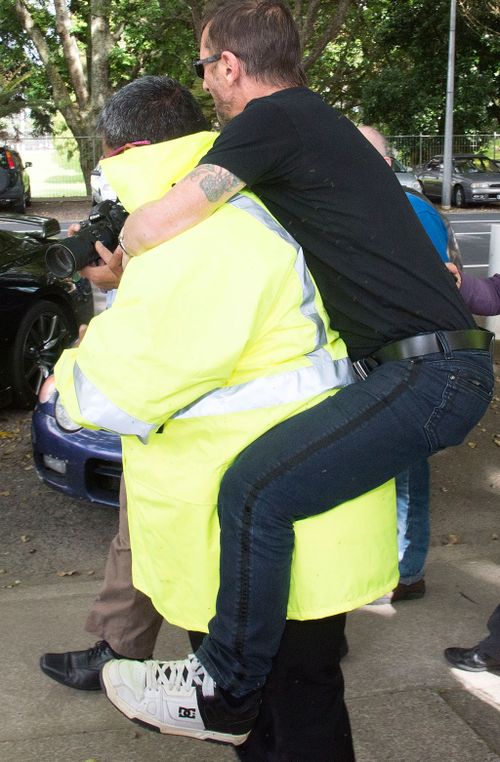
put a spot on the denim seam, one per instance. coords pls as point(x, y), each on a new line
point(449, 392)
point(280, 470)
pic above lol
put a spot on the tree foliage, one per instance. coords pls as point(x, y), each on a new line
point(84, 49)
point(402, 86)
point(380, 61)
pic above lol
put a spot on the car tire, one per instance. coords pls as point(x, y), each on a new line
point(20, 205)
point(43, 333)
point(459, 197)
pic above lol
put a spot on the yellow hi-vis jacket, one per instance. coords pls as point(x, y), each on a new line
point(215, 337)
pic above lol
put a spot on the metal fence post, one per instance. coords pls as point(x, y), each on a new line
point(493, 323)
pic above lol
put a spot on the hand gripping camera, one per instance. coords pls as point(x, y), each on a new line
point(71, 254)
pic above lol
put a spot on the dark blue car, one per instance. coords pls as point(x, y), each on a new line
point(79, 462)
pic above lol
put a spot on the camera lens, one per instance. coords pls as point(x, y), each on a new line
point(60, 260)
point(71, 254)
point(64, 258)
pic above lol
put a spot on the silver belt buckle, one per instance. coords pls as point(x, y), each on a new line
point(361, 369)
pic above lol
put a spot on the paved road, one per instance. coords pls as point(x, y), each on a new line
point(473, 229)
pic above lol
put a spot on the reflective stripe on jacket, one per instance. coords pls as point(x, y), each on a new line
point(213, 338)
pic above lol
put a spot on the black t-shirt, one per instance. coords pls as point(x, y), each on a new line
point(377, 271)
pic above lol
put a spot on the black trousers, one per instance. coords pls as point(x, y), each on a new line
point(491, 644)
point(303, 717)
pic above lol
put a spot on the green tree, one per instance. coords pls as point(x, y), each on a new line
point(400, 82)
point(87, 48)
point(82, 50)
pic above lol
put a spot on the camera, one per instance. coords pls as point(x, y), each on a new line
point(71, 254)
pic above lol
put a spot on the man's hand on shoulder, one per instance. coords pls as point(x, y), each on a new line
point(107, 272)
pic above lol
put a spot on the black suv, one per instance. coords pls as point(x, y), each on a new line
point(14, 180)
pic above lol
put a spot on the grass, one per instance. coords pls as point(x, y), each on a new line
point(53, 175)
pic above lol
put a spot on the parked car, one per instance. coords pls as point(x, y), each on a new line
point(405, 175)
point(475, 179)
point(15, 189)
point(101, 189)
point(79, 462)
point(39, 313)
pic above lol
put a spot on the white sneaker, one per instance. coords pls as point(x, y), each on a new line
point(177, 697)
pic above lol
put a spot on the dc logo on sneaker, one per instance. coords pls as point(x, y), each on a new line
point(187, 713)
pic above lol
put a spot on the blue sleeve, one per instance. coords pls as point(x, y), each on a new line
point(432, 223)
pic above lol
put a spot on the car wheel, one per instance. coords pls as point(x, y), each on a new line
point(459, 197)
point(41, 337)
point(20, 205)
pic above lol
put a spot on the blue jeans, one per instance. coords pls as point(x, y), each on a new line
point(346, 445)
point(412, 495)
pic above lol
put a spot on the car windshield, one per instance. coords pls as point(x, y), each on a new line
point(475, 164)
point(397, 166)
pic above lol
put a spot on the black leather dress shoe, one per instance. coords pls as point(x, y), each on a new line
point(79, 669)
point(470, 659)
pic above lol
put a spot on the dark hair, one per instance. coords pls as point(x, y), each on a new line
point(262, 33)
point(150, 108)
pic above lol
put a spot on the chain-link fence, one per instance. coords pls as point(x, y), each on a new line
point(56, 171)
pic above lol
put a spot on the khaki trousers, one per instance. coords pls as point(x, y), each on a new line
point(122, 615)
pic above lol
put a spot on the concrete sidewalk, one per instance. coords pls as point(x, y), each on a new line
point(406, 704)
point(404, 701)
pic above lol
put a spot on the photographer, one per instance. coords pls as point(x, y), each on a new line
point(123, 619)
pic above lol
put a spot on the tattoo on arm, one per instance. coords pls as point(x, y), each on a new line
point(215, 181)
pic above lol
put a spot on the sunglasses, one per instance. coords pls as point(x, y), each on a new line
point(199, 66)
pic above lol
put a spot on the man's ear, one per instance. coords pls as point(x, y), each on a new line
point(231, 66)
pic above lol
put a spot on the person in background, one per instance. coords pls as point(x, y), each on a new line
point(148, 110)
point(483, 657)
point(412, 484)
point(482, 295)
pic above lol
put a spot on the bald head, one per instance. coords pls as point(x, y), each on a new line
point(376, 139)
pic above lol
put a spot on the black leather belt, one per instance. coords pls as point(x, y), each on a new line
point(428, 343)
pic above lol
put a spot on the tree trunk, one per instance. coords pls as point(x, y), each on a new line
point(89, 157)
point(81, 99)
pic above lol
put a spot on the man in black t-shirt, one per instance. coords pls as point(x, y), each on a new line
point(426, 368)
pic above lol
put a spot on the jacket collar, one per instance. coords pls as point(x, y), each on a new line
point(147, 172)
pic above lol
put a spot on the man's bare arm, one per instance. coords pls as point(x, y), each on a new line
point(189, 202)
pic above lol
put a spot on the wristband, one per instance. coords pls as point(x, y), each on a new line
point(122, 245)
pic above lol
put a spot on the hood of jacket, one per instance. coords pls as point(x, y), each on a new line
point(146, 173)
